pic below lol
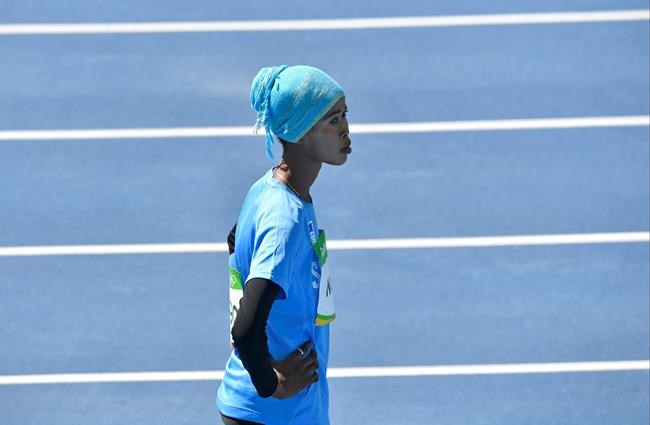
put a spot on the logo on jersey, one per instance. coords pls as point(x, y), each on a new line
point(315, 273)
point(312, 232)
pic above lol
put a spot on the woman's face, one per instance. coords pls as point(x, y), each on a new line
point(329, 140)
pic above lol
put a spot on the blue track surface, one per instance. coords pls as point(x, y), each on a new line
point(530, 71)
point(123, 313)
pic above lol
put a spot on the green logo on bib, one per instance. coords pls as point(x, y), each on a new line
point(235, 279)
point(321, 248)
point(325, 309)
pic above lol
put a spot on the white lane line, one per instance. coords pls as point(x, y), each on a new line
point(170, 248)
point(370, 128)
point(346, 372)
point(489, 369)
point(328, 24)
point(496, 125)
point(350, 244)
point(491, 241)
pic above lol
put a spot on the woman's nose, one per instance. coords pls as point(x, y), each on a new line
point(346, 127)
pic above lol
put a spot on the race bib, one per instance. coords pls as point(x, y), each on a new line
point(325, 312)
point(236, 292)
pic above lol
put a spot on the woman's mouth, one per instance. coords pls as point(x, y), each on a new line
point(347, 149)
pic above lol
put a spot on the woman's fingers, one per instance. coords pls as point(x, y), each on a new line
point(297, 371)
point(311, 361)
point(303, 349)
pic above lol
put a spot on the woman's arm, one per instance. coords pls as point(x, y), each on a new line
point(249, 334)
point(231, 239)
point(280, 379)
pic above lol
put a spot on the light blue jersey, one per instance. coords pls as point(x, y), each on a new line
point(275, 238)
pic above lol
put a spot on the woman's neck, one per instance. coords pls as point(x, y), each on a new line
point(298, 175)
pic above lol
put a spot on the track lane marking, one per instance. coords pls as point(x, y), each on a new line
point(348, 244)
point(367, 128)
point(328, 24)
point(340, 372)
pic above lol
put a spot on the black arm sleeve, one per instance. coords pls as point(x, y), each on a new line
point(231, 239)
point(249, 334)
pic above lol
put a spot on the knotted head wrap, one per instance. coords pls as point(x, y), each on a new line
point(290, 100)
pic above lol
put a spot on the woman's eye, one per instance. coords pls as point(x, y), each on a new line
point(336, 119)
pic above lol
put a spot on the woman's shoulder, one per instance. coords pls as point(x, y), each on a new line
point(270, 192)
point(279, 206)
point(269, 200)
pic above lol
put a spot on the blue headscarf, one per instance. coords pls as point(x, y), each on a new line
point(290, 100)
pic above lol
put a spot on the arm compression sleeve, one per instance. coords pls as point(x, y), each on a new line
point(249, 334)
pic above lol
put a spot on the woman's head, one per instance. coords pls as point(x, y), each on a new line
point(294, 102)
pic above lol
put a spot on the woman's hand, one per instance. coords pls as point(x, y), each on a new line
point(296, 372)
